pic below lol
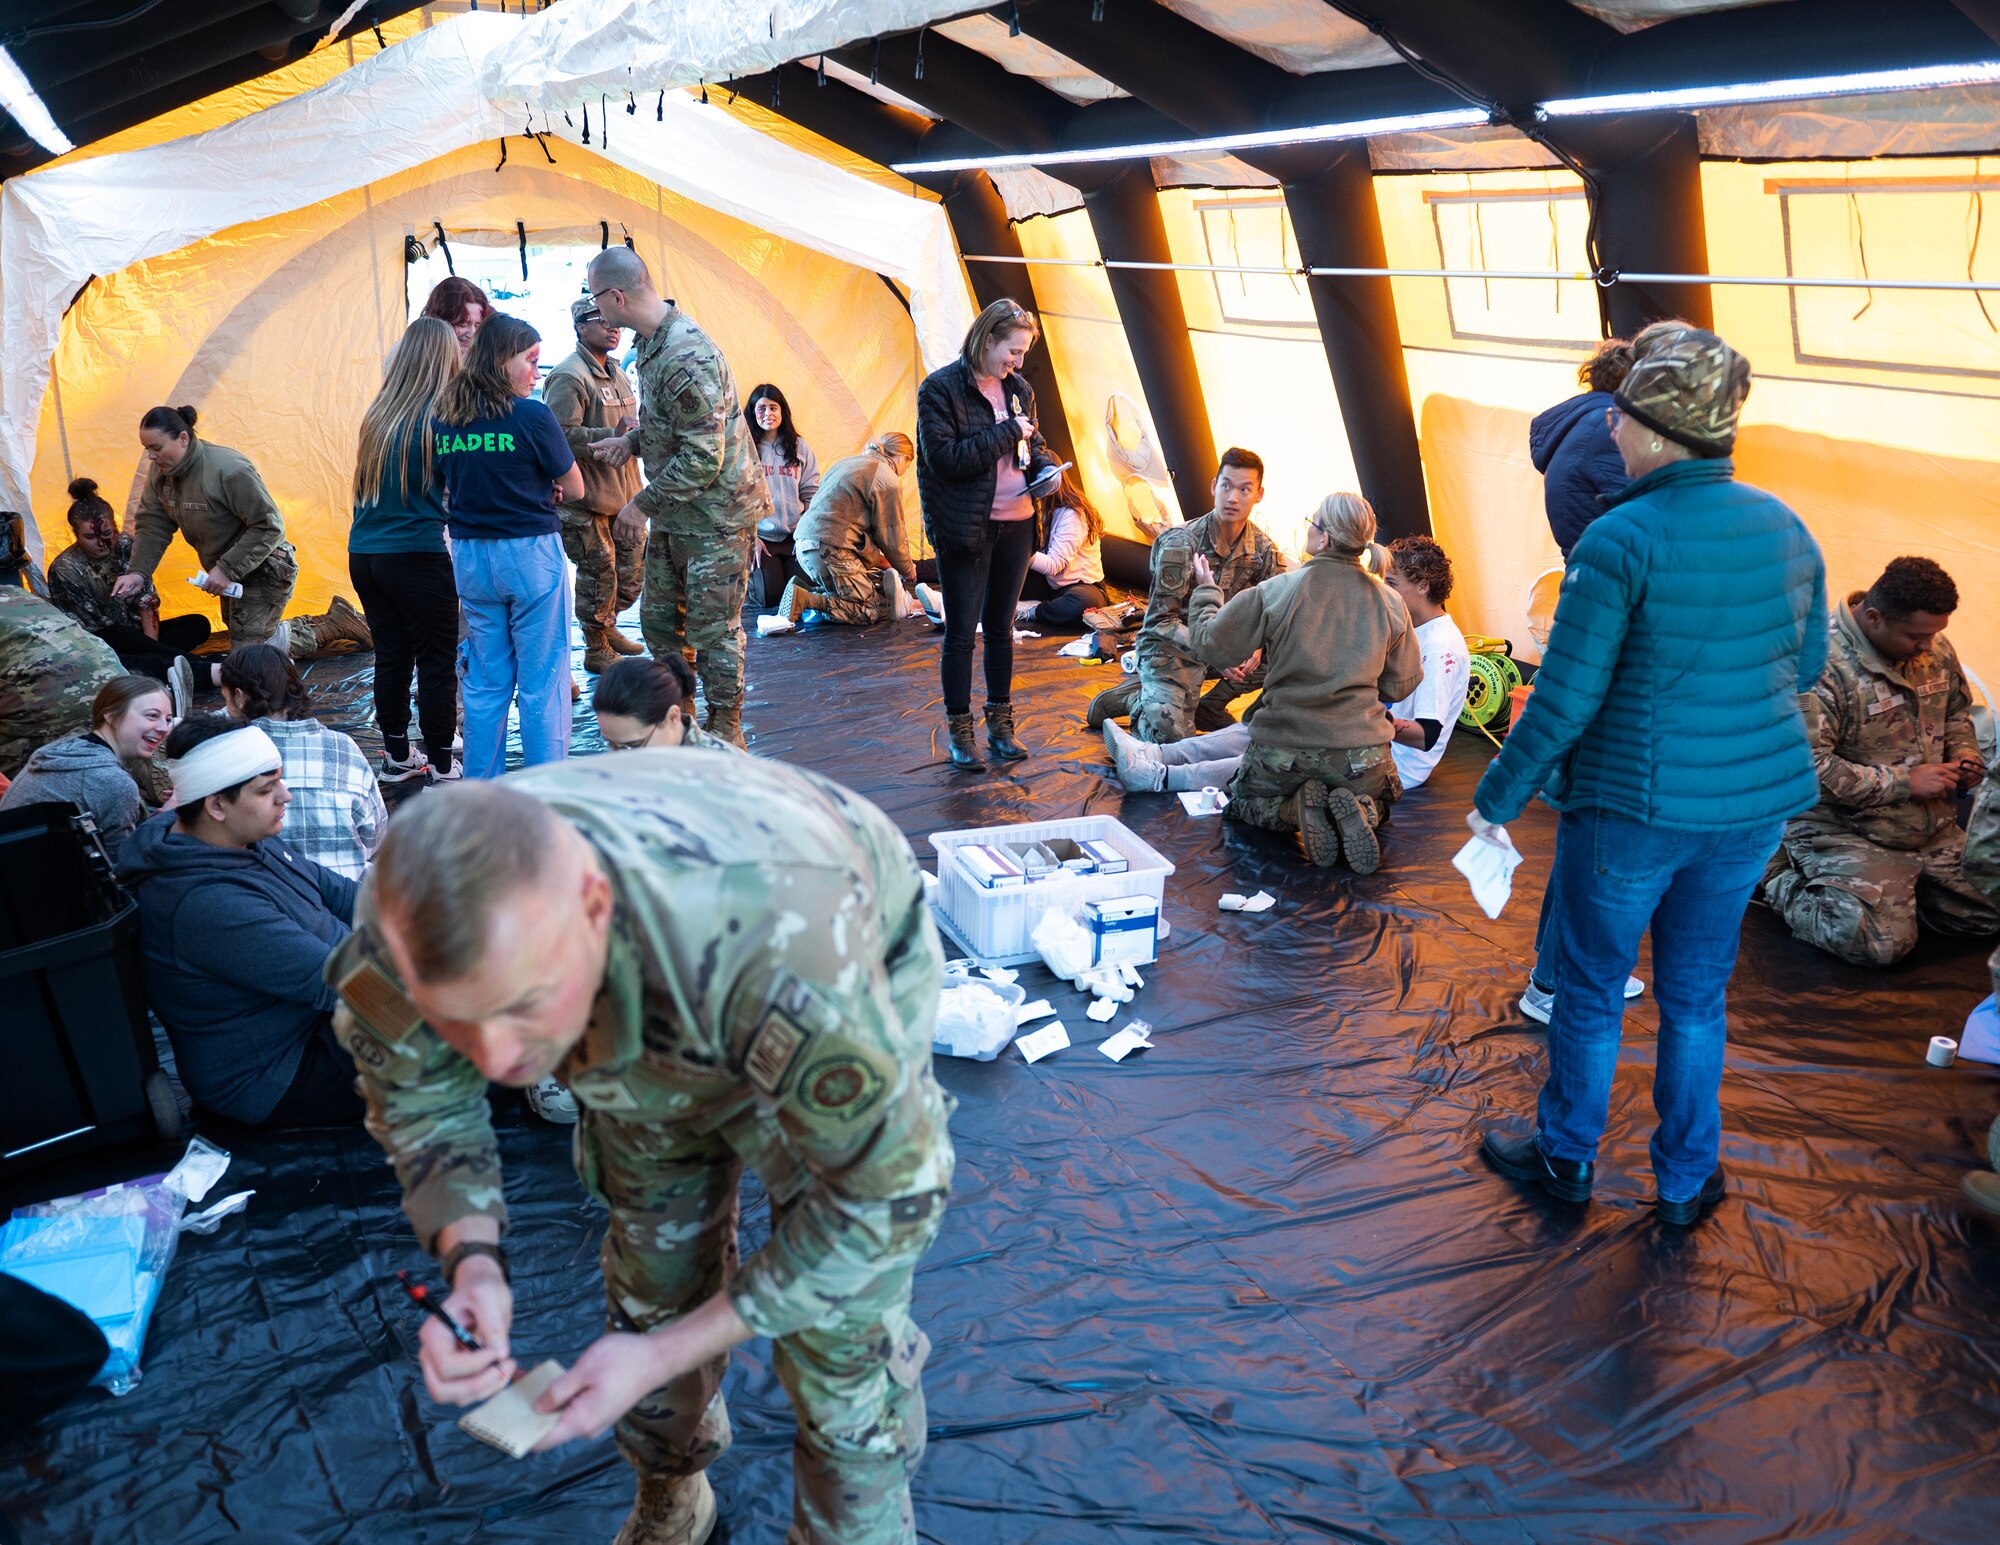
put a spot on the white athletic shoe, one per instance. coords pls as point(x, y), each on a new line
point(931, 601)
point(180, 686)
point(1537, 1004)
point(1024, 611)
point(454, 774)
point(1140, 769)
point(416, 765)
point(552, 1102)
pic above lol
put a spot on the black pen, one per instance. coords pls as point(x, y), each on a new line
point(421, 1297)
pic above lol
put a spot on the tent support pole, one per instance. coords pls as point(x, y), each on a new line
point(1647, 169)
point(1334, 215)
point(1125, 216)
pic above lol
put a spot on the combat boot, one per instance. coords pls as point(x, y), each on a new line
point(1308, 808)
point(797, 601)
point(964, 748)
point(342, 624)
point(620, 644)
point(727, 724)
point(1000, 734)
point(598, 654)
point(1357, 831)
point(670, 1510)
point(1112, 703)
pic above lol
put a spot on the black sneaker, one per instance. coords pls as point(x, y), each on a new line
point(1520, 1157)
point(1687, 1214)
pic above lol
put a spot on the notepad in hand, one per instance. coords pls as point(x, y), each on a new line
point(509, 1421)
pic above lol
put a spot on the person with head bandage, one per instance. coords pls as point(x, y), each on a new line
point(1336, 644)
point(235, 929)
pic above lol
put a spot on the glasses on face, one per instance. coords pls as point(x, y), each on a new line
point(1613, 417)
point(631, 745)
point(609, 289)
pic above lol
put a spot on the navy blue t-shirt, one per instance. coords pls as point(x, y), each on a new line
point(499, 473)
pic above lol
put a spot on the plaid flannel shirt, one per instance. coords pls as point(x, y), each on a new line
point(336, 817)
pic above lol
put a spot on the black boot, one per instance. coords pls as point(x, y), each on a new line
point(964, 749)
point(1000, 734)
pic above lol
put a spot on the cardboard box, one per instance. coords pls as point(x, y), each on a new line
point(1124, 930)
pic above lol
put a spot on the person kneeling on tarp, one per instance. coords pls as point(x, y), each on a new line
point(637, 925)
point(859, 503)
point(1891, 730)
point(234, 930)
point(1336, 645)
point(642, 704)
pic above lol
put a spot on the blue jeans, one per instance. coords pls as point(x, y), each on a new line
point(1617, 879)
point(516, 596)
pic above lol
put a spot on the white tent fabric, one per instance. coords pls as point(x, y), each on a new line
point(425, 98)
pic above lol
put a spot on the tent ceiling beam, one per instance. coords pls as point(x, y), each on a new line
point(1012, 114)
point(881, 133)
point(1642, 172)
point(1213, 87)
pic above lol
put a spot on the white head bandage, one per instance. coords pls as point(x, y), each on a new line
point(222, 763)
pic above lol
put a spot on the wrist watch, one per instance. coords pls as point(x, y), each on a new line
point(455, 1257)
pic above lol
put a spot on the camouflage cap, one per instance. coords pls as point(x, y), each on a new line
point(1688, 385)
point(584, 309)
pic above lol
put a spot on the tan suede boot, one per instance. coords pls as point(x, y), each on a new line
point(670, 1510)
point(620, 644)
point(598, 654)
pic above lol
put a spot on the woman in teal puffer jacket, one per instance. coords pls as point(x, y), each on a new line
point(1665, 727)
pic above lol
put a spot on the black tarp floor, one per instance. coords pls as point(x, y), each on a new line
point(1253, 1285)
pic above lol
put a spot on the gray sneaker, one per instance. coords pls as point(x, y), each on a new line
point(1537, 1003)
point(1140, 769)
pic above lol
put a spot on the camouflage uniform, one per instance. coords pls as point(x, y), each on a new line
point(81, 586)
point(588, 397)
point(218, 503)
point(50, 669)
point(1868, 863)
point(1982, 854)
point(859, 504)
point(1170, 675)
point(768, 996)
point(704, 495)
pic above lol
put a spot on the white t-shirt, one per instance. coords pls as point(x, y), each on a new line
point(1441, 696)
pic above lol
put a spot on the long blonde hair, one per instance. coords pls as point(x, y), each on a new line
point(399, 419)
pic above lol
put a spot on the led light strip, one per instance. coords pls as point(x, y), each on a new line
point(1859, 83)
point(1801, 88)
point(19, 98)
point(1315, 134)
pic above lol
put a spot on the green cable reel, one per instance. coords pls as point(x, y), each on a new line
point(1488, 691)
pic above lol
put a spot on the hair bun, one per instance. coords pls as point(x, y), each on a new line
point(83, 488)
point(188, 413)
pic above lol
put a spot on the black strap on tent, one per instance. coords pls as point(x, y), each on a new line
point(920, 50)
point(586, 122)
point(603, 122)
point(631, 102)
point(1013, 18)
point(521, 230)
point(438, 226)
point(603, 234)
point(503, 153)
point(822, 70)
point(660, 112)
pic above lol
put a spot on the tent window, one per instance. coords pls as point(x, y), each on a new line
point(1516, 229)
point(1255, 233)
point(1919, 228)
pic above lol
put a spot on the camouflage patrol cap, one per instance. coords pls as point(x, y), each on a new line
point(1688, 385)
point(584, 309)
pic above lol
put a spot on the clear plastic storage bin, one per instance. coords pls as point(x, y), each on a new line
point(995, 926)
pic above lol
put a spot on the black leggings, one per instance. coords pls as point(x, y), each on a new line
point(981, 587)
point(411, 602)
point(1061, 607)
point(153, 656)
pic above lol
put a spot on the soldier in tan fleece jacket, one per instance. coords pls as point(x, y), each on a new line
point(1337, 645)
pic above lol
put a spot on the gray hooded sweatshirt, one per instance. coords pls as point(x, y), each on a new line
point(85, 771)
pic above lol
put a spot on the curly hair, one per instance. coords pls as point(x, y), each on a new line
point(1912, 585)
point(1606, 367)
point(1423, 563)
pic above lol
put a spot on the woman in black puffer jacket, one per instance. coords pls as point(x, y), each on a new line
point(978, 453)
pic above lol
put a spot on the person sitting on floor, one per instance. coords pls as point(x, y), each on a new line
point(337, 815)
point(129, 720)
point(234, 931)
point(81, 577)
point(1337, 644)
point(1066, 577)
point(1165, 697)
point(645, 703)
point(1891, 730)
point(859, 503)
point(50, 670)
point(1417, 569)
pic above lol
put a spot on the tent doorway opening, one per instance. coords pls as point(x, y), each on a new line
point(536, 283)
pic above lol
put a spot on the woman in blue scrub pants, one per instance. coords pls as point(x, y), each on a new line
point(505, 464)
